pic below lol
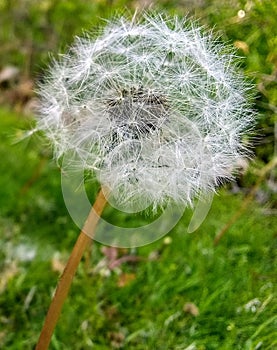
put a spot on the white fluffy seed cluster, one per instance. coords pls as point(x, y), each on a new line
point(153, 106)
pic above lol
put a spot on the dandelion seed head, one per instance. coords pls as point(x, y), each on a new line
point(154, 107)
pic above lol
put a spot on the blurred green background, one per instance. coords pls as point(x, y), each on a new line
point(212, 289)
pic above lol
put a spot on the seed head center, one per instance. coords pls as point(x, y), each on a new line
point(137, 112)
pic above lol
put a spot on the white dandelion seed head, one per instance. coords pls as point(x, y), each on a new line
point(153, 106)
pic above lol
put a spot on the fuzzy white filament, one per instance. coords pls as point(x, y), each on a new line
point(154, 107)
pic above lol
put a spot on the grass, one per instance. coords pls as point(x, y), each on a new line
point(137, 305)
point(179, 293)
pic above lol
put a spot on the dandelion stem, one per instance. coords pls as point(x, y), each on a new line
point(83, 241)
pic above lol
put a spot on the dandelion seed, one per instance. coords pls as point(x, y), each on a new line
point(154, 107)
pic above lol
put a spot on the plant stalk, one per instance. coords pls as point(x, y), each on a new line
point(83, 241)
point(248, 199)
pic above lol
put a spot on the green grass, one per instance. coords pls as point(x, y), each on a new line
point(232, 285)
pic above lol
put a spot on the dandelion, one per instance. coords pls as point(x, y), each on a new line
point(154, 107)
